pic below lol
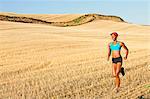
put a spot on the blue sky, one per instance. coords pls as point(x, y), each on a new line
point(133, 11)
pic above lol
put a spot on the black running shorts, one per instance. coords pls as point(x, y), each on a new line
point(116, 60)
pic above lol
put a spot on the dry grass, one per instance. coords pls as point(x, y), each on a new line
point(38, 61)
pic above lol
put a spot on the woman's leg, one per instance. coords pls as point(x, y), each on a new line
point(119, 64)
point(114, 67)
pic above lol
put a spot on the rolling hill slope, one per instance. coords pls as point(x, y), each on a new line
point(50, 19)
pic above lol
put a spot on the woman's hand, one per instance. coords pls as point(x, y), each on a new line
point(125, 58)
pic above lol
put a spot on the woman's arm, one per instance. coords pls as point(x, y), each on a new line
point(126, 50)
point(109, 51)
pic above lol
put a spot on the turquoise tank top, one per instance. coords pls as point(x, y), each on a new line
point(115, 47)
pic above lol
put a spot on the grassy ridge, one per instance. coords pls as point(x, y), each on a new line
point(78, 21)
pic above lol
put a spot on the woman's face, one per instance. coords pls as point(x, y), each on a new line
point(113, 37)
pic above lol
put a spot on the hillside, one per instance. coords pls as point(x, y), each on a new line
point(49, 19)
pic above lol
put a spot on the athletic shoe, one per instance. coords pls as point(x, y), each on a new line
point(122, 71)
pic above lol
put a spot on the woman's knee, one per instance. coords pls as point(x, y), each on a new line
point(114, 75)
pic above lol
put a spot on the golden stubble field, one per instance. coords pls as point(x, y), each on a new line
point(47, 62)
